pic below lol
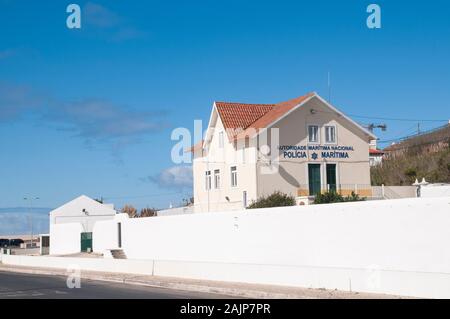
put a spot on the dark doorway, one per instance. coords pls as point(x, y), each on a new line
point(119, 235)
point(314, 179)
point(331, 177)
point(86, 242)
point(45, 245)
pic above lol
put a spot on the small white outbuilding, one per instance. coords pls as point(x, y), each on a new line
point(72, 224)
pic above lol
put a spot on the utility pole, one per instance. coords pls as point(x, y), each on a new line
point(30, 200)
point(418, 128)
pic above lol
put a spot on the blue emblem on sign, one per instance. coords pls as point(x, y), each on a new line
point(314, 156)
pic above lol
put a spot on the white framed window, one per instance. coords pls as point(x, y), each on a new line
point(221, 142)
point(217, 179)
point(313, 133)
point(208, 180)
point(330, 134)
point(233, 170)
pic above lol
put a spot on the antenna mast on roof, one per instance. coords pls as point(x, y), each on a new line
point(373, 126)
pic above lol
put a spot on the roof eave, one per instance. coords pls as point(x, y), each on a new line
point(366, 131)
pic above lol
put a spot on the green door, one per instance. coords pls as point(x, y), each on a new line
point(86, 242)
point(331, 177)
point(314, 179)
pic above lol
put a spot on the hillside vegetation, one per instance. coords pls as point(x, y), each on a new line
point(413, 163)
point(430, 141)
point(422, 156)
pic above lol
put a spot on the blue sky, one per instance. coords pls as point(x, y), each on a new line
point(18, 221)
point(90, 111)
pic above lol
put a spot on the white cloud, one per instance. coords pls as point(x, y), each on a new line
point(96, 121)
point(99, 16)
point(109, 24)
point(175, 177)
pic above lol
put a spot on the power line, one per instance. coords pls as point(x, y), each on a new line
point(399, 147)
point(410, 134)
point(416, 135)
point(385, 118)
point(410, 130)
point(397, 119)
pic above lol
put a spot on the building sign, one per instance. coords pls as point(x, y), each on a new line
point(316, 151)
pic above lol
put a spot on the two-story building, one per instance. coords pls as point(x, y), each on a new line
point(300, 147)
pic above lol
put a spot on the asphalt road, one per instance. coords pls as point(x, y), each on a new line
point(25, 286)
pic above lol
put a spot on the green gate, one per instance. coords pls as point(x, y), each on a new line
point(331, 177)
point(314, 179)
point(86, 242)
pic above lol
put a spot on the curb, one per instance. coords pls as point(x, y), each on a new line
point(209, 286)
point(232, 292)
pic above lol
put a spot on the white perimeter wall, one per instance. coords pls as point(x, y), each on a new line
point(392, 246)
point(397, 246)
point(65, 238)
point(105, 234)
point(435, 191)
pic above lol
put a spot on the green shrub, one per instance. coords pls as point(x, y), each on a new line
point(354, 198)
point(277, 199)
point(333, 197)
point(328, 197)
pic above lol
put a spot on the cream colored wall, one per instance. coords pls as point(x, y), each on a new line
point(293, 173)
point(223, 159)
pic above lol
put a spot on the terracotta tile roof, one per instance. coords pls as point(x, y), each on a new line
point(236, 117)
point(241, 119)
point(195, 147)
point(277, 112)
point(375, 152)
